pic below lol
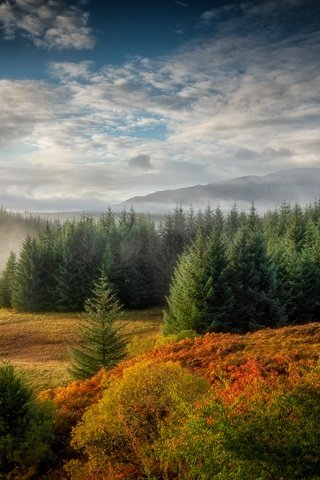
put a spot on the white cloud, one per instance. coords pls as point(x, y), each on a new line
point(227, 106)
point(52, 24)
point(180, 3)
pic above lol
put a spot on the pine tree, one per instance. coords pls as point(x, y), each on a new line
point(25, 427)
point(208, 221)
point(80, 260)
point(296, 227)
point(102, 344)
point(253, 220)
point(198, 293)
point(6, 282)
point(27, 282)
point(191, 226)
point(283, 218)
point(284, 257)
point(185, 299)
point(217, 293)
point(47, 264)
point(173, 234)
point(232, 222)
point(218, 220)
point(252, 281)
point(306, 278)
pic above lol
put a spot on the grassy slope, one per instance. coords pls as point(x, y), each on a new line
point(37, 343)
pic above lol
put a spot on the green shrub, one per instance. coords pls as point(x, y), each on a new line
point(25, 427)
point(279, 439)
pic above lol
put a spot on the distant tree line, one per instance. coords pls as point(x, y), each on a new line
point(26, 221)
point(226, 270)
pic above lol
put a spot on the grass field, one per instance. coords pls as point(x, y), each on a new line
point(36, 344)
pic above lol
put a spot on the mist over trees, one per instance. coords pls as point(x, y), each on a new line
point(233, 272)
point(13, 229)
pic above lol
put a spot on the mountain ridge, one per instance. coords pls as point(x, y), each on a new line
point(266, 191)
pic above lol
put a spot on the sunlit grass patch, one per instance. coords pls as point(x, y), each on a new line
point(37, 344)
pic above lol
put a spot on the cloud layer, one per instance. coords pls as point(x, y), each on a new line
point(48, 24)
point(227, 104)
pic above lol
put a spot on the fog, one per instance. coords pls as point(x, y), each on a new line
point(11, 239)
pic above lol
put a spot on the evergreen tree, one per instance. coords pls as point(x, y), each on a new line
point(252, 280)
point(102, 344)
point(284, 257)
point(296, 227)
point(47, 264)
point(283, 218)
point(27, 283)
point(6, 282)
point(173, 235)
point(252, 219)
point(198, 292)
point(208, 221)
point(191, 226)
point(232, 222)
point(25, 427)
point(80, 260)
point(218, 220)
point(306, 278)
point(185, 299)
point(217, 293)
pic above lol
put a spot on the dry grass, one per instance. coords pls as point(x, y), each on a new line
point(36, 344)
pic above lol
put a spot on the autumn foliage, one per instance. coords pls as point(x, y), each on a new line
point(154, 416)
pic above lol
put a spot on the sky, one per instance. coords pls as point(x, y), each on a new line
point(102, 101)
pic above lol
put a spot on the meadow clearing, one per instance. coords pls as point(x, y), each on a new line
point(37, 344)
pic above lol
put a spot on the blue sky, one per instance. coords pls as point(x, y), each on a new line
point(101, 101)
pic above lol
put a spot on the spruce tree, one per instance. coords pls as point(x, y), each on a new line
point(6, 282)
point(232, 222)
point(217, 293)
point(101, 342)
point(252, 281)
point(80, 259)
point(198, 292)
point(306, 278)
point(25, 428)
point(185, 299)
point(27, 283)
point(191, 226)
point(208, 221)
point(284, 257)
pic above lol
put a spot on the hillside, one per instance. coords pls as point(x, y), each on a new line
point(299, 345)
point(293, 185)
point(256, 379)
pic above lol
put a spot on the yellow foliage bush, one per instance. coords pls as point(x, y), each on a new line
point(123, 429)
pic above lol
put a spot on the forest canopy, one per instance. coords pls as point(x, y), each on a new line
point(237, 271)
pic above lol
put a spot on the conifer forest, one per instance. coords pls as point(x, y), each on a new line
point(230, 389)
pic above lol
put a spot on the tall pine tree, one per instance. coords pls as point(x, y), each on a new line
point(185, 299)
point(102, 344)
point(7, 282)
point(251, 278)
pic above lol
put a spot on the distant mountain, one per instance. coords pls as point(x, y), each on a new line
point(295, 185)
